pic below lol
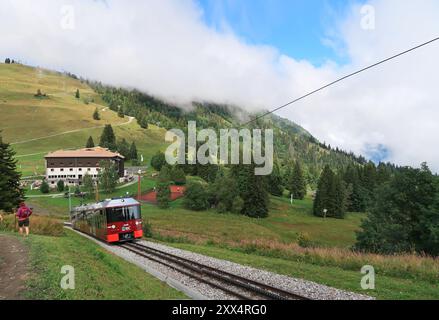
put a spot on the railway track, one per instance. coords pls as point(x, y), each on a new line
point(235, 285)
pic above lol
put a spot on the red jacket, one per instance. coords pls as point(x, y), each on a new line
point(23, 213)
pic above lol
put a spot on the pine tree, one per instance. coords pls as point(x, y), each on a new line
point(163, 194)
point(120, 112)
point(96, 115)
point(368, 181)
point(108, 139)
point(325, 188)
point(133, 151)
point(297, 183)
point(340, 196)
point(178, 176)
point(274, 181)
point(356, 200)
point(162, 188)
point(166, 173)
point(124, 149)
point(77, 95)
point(10, 191)
point(331, 195)
point(90, 143)
point(143, 122)
point(252, 190)
point(207, 172)
point(383, 174)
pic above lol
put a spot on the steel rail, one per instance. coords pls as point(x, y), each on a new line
point(262, 290)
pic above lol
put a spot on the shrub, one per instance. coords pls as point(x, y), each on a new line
point(237, 205)
point(178, 176)
point(196, 197)
point(60, 186)
point(163, 194)
point(45, 187)
point(147, 229)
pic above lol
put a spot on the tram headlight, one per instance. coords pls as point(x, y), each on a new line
point(113, 227)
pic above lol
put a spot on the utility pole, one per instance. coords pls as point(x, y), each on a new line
point(139, 185)
point(97, 191)
point(70, 201)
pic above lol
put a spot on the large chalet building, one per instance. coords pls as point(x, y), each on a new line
point(71, 165)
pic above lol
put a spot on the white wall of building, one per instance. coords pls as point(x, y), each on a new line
point(69, 175)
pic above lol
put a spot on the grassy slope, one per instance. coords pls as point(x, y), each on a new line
point(26, 117)
point(387, 287)
point(284, 224)
point(98, 274)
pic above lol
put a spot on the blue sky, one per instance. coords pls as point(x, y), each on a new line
point(295, 27)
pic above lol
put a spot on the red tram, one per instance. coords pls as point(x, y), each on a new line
point(114, 220)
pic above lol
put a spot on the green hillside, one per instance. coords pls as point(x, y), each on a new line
point(38, 125)
point(59, 120)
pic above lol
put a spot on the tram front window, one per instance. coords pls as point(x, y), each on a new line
point(122, 214)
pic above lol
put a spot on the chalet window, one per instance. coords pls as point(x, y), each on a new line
point(62, 170)
point(71, 169)
point(52, 170)
point(80, 169)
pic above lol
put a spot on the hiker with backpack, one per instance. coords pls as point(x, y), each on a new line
point(23, 214)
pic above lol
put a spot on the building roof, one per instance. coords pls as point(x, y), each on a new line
point(96, 152)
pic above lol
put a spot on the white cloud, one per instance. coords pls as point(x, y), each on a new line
point(164, 48)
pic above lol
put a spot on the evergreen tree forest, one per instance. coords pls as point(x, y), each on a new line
point(291, 142)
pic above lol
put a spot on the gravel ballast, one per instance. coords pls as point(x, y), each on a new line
point(200, 291)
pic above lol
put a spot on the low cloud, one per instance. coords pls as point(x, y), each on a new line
point(164, 48)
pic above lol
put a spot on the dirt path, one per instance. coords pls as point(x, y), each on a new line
point(13, 268)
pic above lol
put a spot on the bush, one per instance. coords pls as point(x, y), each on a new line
point(147, 229)
point(178, 176)
point(163, 194)
point(196, 197)
point(237, 205)
point(60, 186)
point(45, 187)
point(158, 161)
